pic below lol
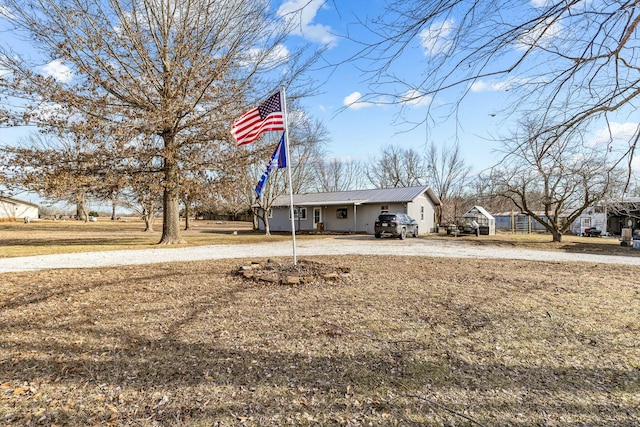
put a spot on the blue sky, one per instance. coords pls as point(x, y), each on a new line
point(362, 130)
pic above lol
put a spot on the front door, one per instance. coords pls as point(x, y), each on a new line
point(317, 218)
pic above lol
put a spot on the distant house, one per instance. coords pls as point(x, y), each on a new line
point(353, 211)
point(612, 216)
point(11, 208)
point(592, 217)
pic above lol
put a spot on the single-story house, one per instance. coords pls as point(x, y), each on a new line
point(592, 217)
point(11, 208)
point(353, 211)
point(611, 216)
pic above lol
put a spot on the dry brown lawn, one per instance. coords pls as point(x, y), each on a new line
point(399, 341)
point(50, 237)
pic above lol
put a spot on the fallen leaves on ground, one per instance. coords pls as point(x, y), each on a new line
point(399, 341)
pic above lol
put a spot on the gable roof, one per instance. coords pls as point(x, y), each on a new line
point(358, 197)
point(12, 201)
point(482, 211)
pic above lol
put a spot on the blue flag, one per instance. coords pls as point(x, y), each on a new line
point(278, 160)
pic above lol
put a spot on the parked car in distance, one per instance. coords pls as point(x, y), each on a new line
point(398, 225)
point(592, 232)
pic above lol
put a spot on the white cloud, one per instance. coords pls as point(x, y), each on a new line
point(297, 116)
point(539, 3)
point(498, 85)
point(437, 38)
point(541, 35)
point(3, 71)
point(616, 133)
point(48, 111)
point(300, 14)
point(415, 98)
point(352, 101)
point(58, 71)
point(5, 12)
point(276, 56)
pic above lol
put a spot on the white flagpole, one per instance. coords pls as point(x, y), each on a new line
point(286, 143)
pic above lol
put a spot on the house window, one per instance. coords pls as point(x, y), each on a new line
point(421, 213)
point(341, 213)
point(299, 213)
point(384, 209)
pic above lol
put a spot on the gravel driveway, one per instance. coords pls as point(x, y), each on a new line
point(335, 245)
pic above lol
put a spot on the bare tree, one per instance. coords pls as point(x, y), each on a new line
point(484, 188)
point(235, 191)
point(276, 186)
point(306, 141)
point(574, 61)
point(176, 71)
point(70, 168)
point(554, 180)
point(448, 174)
point(339, 175)
point(397, 167)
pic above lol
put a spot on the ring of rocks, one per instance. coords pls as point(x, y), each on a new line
point(305, 272)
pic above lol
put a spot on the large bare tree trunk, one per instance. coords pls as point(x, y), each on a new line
point(171, 219)
point(255, 220)
point(171, 196)
point(267, 230)
point(81, 209)
point(187, 214)
point(113, 207)
point(262, 214)
point(148, 214)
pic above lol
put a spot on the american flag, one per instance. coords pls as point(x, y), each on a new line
point(268, 116)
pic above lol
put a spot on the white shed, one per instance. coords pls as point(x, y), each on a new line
point(486, 221)
point(11, 208)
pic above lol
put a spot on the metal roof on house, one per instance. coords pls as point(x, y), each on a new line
point(13, 201)
point(358, 197)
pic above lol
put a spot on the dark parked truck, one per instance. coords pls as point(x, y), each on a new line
point(398, 225)
point(463, 226)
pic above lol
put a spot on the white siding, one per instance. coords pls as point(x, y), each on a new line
point(426, 219)
point(15, 210)
point(360, 218)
